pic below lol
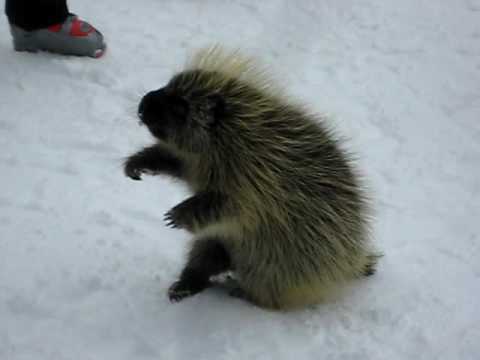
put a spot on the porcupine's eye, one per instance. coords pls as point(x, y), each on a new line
point(178, 108)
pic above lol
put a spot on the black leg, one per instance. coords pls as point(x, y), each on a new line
point(208, 257)
point(197, 211)
point(36, 14)
point(154, 160)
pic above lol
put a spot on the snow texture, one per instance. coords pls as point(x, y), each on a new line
point(85, 259)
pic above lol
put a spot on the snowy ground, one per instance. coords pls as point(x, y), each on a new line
point(85, 258)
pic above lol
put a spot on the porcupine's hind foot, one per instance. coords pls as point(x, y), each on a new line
point(239, 293)
point(187, 286)
point(233, 288)
point(207, 258)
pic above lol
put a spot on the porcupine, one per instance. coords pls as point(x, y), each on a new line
point(276, 200)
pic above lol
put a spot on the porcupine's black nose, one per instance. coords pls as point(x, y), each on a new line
point(141, 109)
point(149, 103)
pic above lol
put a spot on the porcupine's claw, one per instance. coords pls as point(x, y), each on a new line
point(180, 290)
point(170, 220)
point(167, 218)
point(175, 294)
point(179, 217)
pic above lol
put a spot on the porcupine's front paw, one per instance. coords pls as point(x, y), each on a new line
point(133, 169)
point(180, 217)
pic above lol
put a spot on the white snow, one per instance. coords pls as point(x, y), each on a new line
point(85, 259)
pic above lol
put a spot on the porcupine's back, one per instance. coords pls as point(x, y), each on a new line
point(312, 216)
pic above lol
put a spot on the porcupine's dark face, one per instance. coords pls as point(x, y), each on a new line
point(163, 112)
point(179, 118)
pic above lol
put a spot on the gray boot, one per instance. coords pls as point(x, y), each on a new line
point(72, 37)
